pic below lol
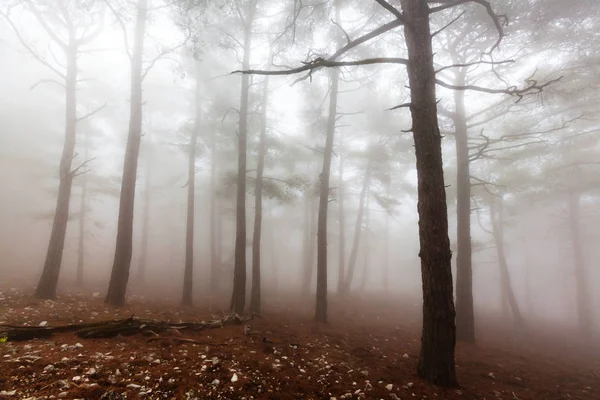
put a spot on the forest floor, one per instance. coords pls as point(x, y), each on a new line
point(368, 350)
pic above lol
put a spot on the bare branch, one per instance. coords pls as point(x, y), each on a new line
point(471, 64)
point(122, 25)
point(434, 34)
point(46, 27)
point(91, 113)
point(403, 105)
point(47, 81)
point(322, 63)
point(533, 88)
point(78, 171)
point(165, 52)
point(390, 8)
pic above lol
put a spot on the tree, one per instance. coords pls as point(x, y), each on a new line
point(436, 360)
point(62, 23)
point(122, 260)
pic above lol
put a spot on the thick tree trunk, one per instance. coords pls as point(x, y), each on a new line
point(82, 215)
point(46, 288)
point(508, 294)
point(386, 255)
point(145, 218)
point(256, 237)
point(465, 316)
point(122, 260)
point(341, 218)
point(310, 239)
point(321, 305)
point(357, 229)
point(188, 275)
point(436, 359)
point(583, 294)
point(215, 257)
point(238, 297)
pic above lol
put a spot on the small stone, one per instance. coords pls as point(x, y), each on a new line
point(491, 375)
point(91, 372)
point(133, 386)
point(8, 393)
point(404, 355)
point(78, 345)
point(410, 384)
point(76, 378)
point(43, 323)
point(365, 373)
point(389, 387)
point(234, 378)
point(215, 382)
point(62, 395)
point(49, 368)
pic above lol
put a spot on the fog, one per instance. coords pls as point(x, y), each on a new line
point(533, 155)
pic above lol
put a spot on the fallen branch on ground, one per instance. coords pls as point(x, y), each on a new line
point(112, 328)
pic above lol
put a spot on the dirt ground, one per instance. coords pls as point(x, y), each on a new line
point(368, 350)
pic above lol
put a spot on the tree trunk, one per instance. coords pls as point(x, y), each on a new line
point(341, 218)
point(436, 359)
point(82, 214)
point(357, 229)
point(321, 305)
point(46, 288)
point(145, 218)
point(238, 297)
point(386, 255)
point(256, 291)
point(583, 294)
point(508, 294)
point(363, 282)
point(188, 275)
point(122, 260)
point(465, 316)
point(215, 259)
point(307, 252)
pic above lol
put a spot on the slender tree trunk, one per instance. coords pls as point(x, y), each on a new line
point(436, 359)
point(82, 214)
point(321, 306)
point(188, 276)
point(307, 256)
point(363, 282)
point(215, 259)
point(255, 297)
point(341, 217)
point(386, 255)
point(465, 316)
point(145, 218)
point(238, 297)
point(583, 294)
point(122, 261)
point(46, 288)
point(508, 294)
point(358, 229)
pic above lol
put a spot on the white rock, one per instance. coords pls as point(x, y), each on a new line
point(491, 375)
point(43, 323)
point(389, 387)
point(410, 384)
point(78, 345)
point(8, 393)
point(49, 368)
point(133, 386)
point(215, 382)
point(62, 395)
point(404, 355)
point(234, 378)
point(76, 378)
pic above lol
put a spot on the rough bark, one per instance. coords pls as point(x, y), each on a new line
point(436, 359)
point(188, 275)
point(310, 236)
point(82, 215)
point(321, 304)
point(465, 316)
point(46, 288)
point(341, 218)
point(358, 229)
point(256, 237)
point(122, 259)
point(508, 294)
point(583, 294)
point(145, 218)
point(238, 297)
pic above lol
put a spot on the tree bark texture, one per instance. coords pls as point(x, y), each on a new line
point(581, 278)
point(238, 297)
point(122, 261)
point(255, 295)
point(46, 287)
point(321, 304)
point(436, 358)
point(82, 215)
point(465, 315)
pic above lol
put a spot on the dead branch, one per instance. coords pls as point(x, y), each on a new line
point(534, 87)
point(47, 81)
point(166, 51)
point(91, 113)
point(325, 63)
point(112, 328)
point(471, 64)
point(403, 105)
point(391, 9)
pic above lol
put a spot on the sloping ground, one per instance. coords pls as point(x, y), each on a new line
point(367, 351)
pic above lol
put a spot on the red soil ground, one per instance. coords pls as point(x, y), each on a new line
point(366, 347)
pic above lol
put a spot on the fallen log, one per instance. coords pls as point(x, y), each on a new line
point(112, 328)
